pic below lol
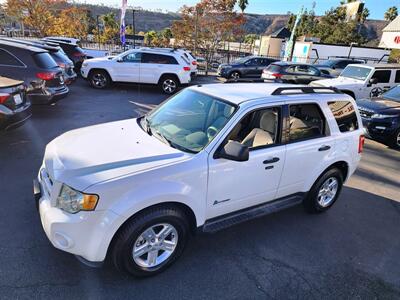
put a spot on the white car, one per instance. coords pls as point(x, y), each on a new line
point(364, 81)
point(210, 157)
point(166, 68)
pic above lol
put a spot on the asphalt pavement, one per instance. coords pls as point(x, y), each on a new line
point(350, 252)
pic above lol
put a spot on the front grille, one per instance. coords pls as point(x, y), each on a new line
point(366, 113)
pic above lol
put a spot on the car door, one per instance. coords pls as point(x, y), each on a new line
point(236, 185)
point(127, 68)
point(303, 74)
point(382, 82)
point(154, 65)
point(309, 146)
point(252, 67)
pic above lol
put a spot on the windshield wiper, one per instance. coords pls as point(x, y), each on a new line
point(171, 144)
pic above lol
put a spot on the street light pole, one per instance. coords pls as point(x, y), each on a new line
point(133, 28)
point(98, 31)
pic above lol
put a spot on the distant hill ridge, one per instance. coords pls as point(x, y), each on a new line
point(260, 24)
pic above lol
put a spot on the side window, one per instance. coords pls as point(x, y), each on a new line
point(291, 69)
point(150, 58)
point(133, 57)
point(252, 62)
point(259, 128)
point(7, 59)
point(306, 122)
point(342, 64)
point(397, 79)
point(312, 70)
point(345, 115)
point(383, 76)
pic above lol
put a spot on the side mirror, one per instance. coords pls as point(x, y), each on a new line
point(120, 59)
point(373, 81)
point(234, 151)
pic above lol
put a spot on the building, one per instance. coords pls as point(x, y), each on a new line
point(391, 35)
point(273, 45)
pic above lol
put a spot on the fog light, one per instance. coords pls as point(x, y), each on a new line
point(62, 241)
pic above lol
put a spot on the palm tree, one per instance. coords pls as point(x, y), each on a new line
point(243, 5)
point(391, 13)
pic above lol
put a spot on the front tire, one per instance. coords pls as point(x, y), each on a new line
point(169, 84)
point(324, 192)
point(150, 242)
point(235, 75)
point(99, 79)
point(395, 140)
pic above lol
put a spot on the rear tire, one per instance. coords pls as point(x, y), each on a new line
point(99, 79)
point(394, 142)
point(144, 233)
point(324, 192)
point(169, 84)
point(235, 75)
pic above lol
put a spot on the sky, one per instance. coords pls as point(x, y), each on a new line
point(377, 8)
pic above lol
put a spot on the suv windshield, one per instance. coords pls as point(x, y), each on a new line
point(392, 94)
point(356, 72)
point(44, 60)
point(189, 120)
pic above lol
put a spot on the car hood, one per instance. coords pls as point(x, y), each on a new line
point(100, 59)
point(379, 104)
point(86, 156)
point(338, 82)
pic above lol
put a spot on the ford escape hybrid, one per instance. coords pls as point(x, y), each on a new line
point(134, 190)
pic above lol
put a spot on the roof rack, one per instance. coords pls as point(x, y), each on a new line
point(306, 90)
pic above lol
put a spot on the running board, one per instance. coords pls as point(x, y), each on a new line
point(254, 212)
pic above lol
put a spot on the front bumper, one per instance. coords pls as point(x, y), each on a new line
point(380, 130)
point(85, 234)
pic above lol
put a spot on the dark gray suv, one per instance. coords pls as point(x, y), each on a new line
point(249, 66)
point(40, 73)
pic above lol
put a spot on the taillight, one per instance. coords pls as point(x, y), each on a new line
point(186, 68)
point(46, 75)
point(78, 54)
point(277, 75)
point(361, 142)
point(4, 97)
point(194, 63)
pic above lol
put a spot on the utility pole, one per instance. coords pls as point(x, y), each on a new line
point(195, 32)
point(133, 28)
point(98, 31)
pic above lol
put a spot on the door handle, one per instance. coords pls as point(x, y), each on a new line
point(271, 161)
point(324, 148)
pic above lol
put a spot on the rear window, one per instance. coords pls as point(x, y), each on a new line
point(7, 59)
point(345, 115)
point(149, 58)
point(44, 61)
point(274, 68)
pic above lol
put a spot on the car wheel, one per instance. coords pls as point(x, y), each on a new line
point(324, 192)
point(169, 84)
point(395, 141)
point(99, 79)
point(150, 242)
point(235, 75)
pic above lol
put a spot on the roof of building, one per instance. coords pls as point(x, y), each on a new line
point(238, 93)
point(282, 33)
point(393, 26)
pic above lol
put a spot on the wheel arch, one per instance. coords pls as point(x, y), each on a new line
point(100, 69)
point(167, 75)
point(342, 165)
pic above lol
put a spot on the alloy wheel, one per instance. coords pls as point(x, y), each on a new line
point(155, 245)
point(99, 80)
point(169, 86)
point(328, 191)
point(398, 139)
point(235, 75)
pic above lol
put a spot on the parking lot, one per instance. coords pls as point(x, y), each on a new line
point(352, 251)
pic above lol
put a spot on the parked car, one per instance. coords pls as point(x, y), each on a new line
point(15, 109)
point(40, 73)
point(364, 81)
point(210, 157)
point(169, 69)
point(289, 72)
point(62, 60)
point(72, 50)
point(201, 63)
point(249, 66)
point(335, 66)
point(381, 117)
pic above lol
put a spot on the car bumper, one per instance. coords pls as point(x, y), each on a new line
point(68, 79)
point(84, 72)
point(11, 119)
point(379, 130)
point(48, 95)
point(84, 234)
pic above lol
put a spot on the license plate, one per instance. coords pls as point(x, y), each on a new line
point(17, 99)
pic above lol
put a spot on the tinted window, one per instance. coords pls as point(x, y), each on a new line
point(8, 60)
point(253, 62)
point(258, 129)
point(149, 58)
point(342, 64)
point(44, 61)
point(383, 76)
point(265, 61)
point(312, 71)
point(345, 115)
point(306, 121)
point(132, 57)
point(274, 68)
point(397, 79)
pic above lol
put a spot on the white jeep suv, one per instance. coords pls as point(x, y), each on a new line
point(210, 157)
point(364, 81)
point(167, 68)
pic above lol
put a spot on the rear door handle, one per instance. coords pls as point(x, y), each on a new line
point(271, 161)
point(324, 148)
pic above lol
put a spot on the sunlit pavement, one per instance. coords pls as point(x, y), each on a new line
point(352, 251)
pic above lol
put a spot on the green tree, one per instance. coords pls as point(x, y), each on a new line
point(391, 13)
point(243, 5)
point(150, 38)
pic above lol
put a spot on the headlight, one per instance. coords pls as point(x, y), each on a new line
point(73, 201)
point(380, 116)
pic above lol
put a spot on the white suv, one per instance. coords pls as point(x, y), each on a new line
point(210, 157)
point(364, 81)
point(167, 68)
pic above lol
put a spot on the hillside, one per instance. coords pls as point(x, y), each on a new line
point(259, 24)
